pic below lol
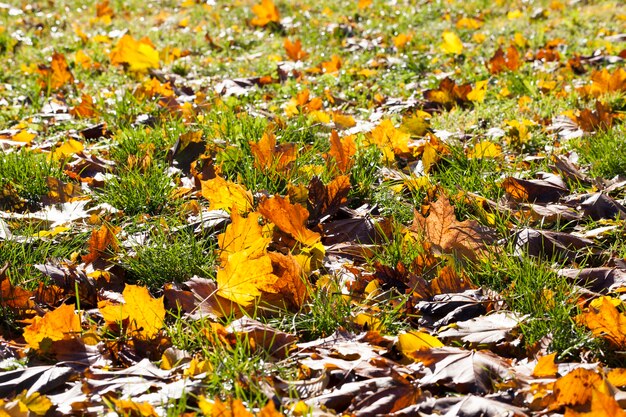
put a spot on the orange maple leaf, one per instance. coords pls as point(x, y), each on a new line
point(290, 218)
point(60, 324)
point(101, 239)
point(294, 50)
point(333, 66)
point(85, 109)
point(342, 150)
point(605, 82)
point(501, 62)
point(139, 55)
point(269, 155)
point(57, 74)
point(266, 12)
point(605, 321)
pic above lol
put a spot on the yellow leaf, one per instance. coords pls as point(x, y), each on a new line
point(67, 149)
point(241, 279)
point(59, 324)
point(225, 195)
point(144, 313)
point(485, 149)
point(24, 136)
point(386, 136)
point(412, 341)
point(468, 23)
point(35, 403)
point(606, 321)
point(53, 232)
point(364, 4)
point(546, 368)
point(479, 92)
point(402, 39)
point(451, 43)
point(514, 14)
point(243, 235)
point(138, 55)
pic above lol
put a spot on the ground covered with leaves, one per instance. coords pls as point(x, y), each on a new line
point(368, 208)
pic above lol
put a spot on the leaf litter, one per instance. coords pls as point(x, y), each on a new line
point(323, 168)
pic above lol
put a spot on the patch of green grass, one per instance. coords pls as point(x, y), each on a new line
point(26, 172)
point(605, 152)
point(169, 257)
point(136, 191)
point(531, 286)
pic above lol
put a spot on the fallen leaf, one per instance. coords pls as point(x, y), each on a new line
point(59, 324)
point(101, 240)
point(294, 50)
point(266, 12)
point(342, 150)
point(451, 43)
point(86, 108)
point(447, 235)
point(601, 405)
point(536, 191)
point(290, 218)
point(243, 235)
point(145, 314)
point(546, 368)
point(502, 62)
point(606, 321)
point(138, 55)
point(57, 74)
point(268, 155)
point(325, 200)
point(242, 279)
point(226, 195)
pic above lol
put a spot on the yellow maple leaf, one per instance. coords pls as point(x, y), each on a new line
point(266, 12)
point(139, 55)
point(59, 324)
point(479, 92)
point(605, 320)
point(485, 149)
point(389, 139)
point(68, 148)
point(225, 195)
point(451, 43)
point(243, 235)
point(144, 313)
point(242, 279)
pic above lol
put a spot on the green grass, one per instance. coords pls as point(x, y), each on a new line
point(605, 152)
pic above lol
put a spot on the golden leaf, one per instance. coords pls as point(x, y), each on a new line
point(485, 149)
point(386, 136)
point(140, 55)
point(144, 313)
point(68, 148)
point(546, 368)
point(243, 235)
point(266, 12)
point(57, 74)
point(269, 155)
point(59, 324)
point(606, 321)
point(478, 92)
point(225, 195)
point(601, 405)
point(85, 109)
point(412, 341)
point(451, 43)
point(242, 279)
point(101, 239)
point(342, 150)
point(294, 50)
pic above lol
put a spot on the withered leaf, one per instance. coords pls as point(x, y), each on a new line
point(325, 200)
point(447, 235)
point(535, 191)
point(484, 330)
point(464, 371)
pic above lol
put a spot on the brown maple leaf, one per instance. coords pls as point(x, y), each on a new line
point(466, 239)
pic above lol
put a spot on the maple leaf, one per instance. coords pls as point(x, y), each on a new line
point(290, 218)
point(243, 235)
point(269, 155)
point(389, 140)
point(501, 62)
point(546, 368)
point(294, 50)
point(57, 74)
point(145, 314)
point(291, 284)
point(67, 148)
point(85, 109)
point(485, 149)
point(576, 388)
point(140, 55)
point(601, 405)
point(451, 43)
point(333, 66)
point(226, 195)
point(448, 235)
point(101, 239)
point(60, 324)
point(266, 12)
point(605, 82)
point(606, 321)
point(448, 94)
point(242, 279)
point(325, 200)
point(342, 150)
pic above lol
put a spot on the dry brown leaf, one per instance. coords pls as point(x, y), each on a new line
point(447, 235)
